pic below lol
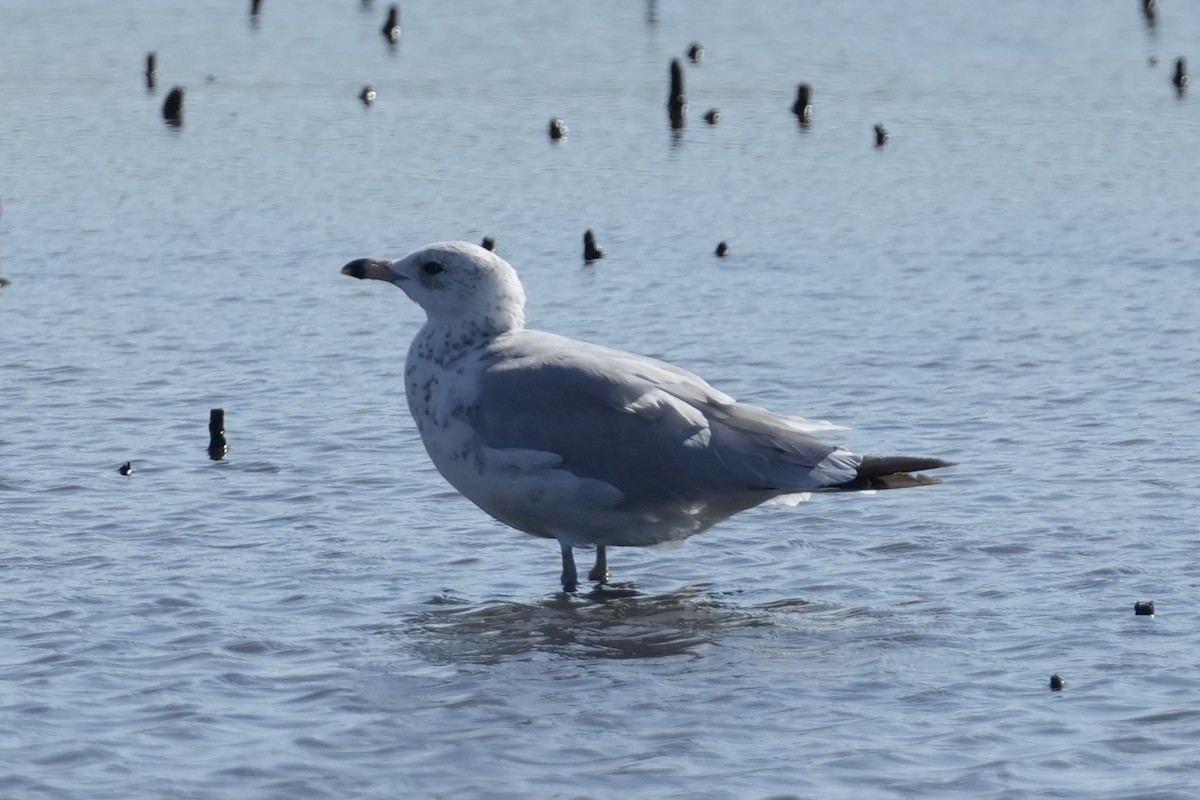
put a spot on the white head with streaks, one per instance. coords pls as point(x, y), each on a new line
point(457, 283)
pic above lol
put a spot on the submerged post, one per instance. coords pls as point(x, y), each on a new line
point(676, 100)
point(391, 26)
point(591, 250)
point(172, 109)
point(217, 446)
point(802, 108)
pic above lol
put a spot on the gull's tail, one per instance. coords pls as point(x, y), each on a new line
point(890, 472)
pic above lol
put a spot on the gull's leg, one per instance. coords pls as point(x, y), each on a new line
point(599, 572)
point(570, 578)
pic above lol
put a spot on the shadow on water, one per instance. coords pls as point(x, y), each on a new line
point(614, 625)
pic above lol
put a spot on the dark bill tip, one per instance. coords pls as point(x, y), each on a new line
point(368, 268)
point(356, 268)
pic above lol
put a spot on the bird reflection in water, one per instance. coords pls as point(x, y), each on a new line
point(616, 623)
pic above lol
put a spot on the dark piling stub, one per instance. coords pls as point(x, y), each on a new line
point(695, 53)
point(712, 116)
point(591, 250)
point(217, 446)
point(1180, 78)
point(172, 109)
point(1150, 12)
point(254, 7)
point(126, 468)
point(802, 108)
point(1144, 608)
point(367, 95)
point(391, 26)
point(722, 250)
point(1057, 682)
point(3, 280)
point(151, 70)
point(558, 129)
point(881, 136)
point(676, 100)
point(489, 244)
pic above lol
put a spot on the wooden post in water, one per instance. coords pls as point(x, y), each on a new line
point(802, 108)
point(1150, 12)
point(217, 446)
point(591, 250)
point(391, 26)
point(172, 109)
point(676, 100)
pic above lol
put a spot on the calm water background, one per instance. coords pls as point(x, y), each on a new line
point(1011, 282)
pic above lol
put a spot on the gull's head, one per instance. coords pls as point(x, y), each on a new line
point(456, 283)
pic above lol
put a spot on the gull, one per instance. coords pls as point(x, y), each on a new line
point(588, 445)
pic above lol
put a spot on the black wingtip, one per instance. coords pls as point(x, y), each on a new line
point(893, 472)
point(878, 466)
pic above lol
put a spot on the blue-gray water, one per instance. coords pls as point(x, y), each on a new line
point(1011, 283)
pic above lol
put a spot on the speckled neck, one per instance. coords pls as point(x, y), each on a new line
point(442, 343)
point(477, 317)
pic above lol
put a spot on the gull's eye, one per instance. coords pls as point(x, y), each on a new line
point(431, 268)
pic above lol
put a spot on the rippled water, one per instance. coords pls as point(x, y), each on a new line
point(1010, 283)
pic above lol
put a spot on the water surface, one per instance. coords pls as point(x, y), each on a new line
point(1009, 283)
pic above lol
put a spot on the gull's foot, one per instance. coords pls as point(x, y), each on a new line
point(570, 578)
point(599, 573)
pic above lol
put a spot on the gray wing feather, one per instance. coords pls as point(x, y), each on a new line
point(651, 429)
